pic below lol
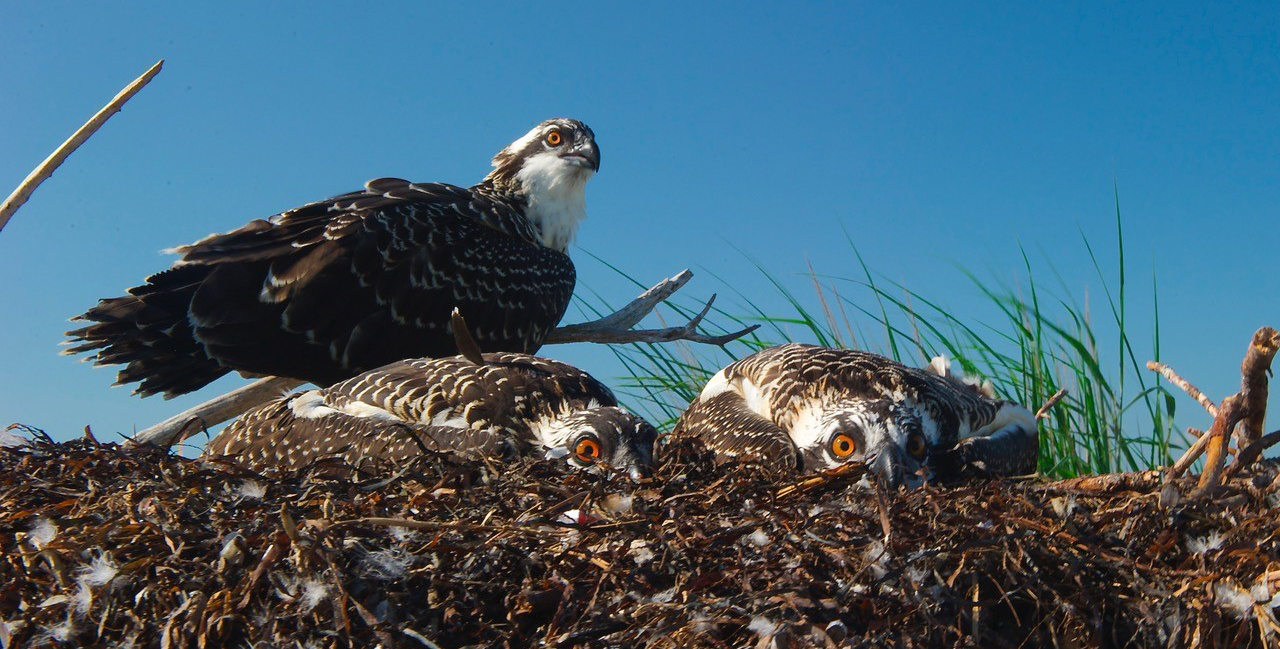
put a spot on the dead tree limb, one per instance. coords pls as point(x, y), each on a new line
point(55, 159)
point(1168, 373)
point(1193, 453)
point(614, 328)
point(617, 327)
point(1215, 453)
point(1253, 384)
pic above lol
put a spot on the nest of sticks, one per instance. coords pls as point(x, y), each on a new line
point(103, 545)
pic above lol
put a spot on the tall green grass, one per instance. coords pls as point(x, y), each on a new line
point(1115, 417)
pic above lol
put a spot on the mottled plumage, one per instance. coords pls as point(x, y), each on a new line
point(809, 408)
point(334, 288)
point(513, 404)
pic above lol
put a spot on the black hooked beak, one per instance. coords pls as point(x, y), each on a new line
point(585, 153)
point(891, 465)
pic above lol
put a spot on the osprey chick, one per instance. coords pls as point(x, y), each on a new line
point(811, 408)
point(334, 288)
point(512, 404)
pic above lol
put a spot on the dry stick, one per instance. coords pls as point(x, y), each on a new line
point(1229, 414)
point(46, 168)
point(1193, 453)
point(1253, 384)
point(1043, 412)
point(1168, 373)
point(616, 328)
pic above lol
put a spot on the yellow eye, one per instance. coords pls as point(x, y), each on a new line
point(916, 445)
point(842, 446)
point(587, 449)
point(554, 138)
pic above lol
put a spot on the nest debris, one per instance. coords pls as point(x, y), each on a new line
point(109, 547)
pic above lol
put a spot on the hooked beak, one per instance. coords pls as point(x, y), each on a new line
point(584, 154)
point(890, 464)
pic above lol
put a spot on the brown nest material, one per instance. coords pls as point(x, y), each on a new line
point(107, 547)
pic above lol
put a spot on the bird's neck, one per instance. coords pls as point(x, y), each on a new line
point(554, 195)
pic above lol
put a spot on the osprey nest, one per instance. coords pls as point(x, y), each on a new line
point(102, 546)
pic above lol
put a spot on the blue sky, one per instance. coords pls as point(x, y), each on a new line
point(935, 134)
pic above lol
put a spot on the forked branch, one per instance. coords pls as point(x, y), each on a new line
point(617, 327)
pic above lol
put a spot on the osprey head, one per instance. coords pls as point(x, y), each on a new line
point(887, 438)
point(561, 143)
point(550, 167)
point(610, 436)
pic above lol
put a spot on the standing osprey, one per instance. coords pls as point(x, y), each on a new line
point(811, 408)
point(334, 288)
point(512, 404)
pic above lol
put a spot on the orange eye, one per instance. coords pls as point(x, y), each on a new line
point(554, 138)
point(587, 449)
point(842, 446)
point(916, 445)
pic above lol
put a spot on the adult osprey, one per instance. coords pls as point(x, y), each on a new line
point(334, 288)
point(509, 404)
point(811, 408)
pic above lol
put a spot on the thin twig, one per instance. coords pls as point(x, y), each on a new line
point(1043, 412)
point(1168, 373)
point(55, 159)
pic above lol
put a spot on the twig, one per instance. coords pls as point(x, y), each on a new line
point(1043, 412)
point(616, 327)
point(1168, 373)
point(55, 159)
point(215, 411)
point(1191, 455)
point(462, 339)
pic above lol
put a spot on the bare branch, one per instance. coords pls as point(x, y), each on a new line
point(1229, 414)
point(600, 332)
point(214, 412)
point(629, 315)
point(1168, 373)
point(1193, 453)
point(1043, 412)
point(616, 327)
point(1253, 384)
point(55, 159)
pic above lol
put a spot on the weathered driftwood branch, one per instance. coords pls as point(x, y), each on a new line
point(55, 159)
point(614, 328)
point(214, 412)
point(1191, 455)
point(1168, 373)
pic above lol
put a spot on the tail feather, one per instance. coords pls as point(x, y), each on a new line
point(148, 332)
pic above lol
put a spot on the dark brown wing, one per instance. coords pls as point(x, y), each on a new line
point(335, 288)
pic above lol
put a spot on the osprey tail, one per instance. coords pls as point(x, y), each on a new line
point(148, 331)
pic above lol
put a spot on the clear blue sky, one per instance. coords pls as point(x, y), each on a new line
point(935, 133)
